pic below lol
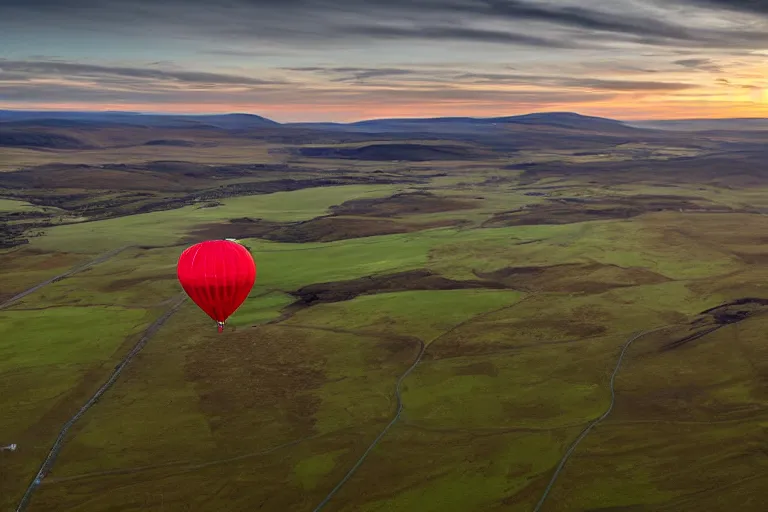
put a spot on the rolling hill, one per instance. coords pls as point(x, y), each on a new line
point(70, 130)
point(388, 152)
point(551, 120)
point(435, 336)
point(64, 119)
point(554, 130)
point(34, 139)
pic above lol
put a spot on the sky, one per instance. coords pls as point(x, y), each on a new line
point(347, 60)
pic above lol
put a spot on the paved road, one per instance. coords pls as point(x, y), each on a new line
point(375, 442)
point(596, 421)
point(74, 270)
point(57, 445)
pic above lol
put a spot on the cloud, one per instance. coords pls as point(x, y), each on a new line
point(627, 85)
point(456, 76)
point(56, 81)
point(447, 33)
point(523, 23)
point(424, 54)
point(728, 83)
point(582, 83)
point(573, 16)
point(352, 74)
point(702, 64)
point(291, 95)
point(519, 11)
point(746, 6)
point(241, 53)
point(38, 69)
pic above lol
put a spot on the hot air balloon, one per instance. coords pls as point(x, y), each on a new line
point(218, 276)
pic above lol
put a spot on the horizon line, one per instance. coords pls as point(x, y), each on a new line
point(177, 114)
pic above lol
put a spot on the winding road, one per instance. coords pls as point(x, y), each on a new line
point(597, 420)
point(398, 386)
point(151, 330)
point(179, 301)
point(57, 445)
point(375, 442)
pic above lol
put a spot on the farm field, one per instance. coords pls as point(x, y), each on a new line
point(452, 325)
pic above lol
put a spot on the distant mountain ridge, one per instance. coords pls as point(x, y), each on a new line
point(69, 129)
point(551, 118)
point(565, 120)
point(237, 121)
point(83, 119)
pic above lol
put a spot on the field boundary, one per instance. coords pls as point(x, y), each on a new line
point(57, 445)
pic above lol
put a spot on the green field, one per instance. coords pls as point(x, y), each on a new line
point(521, 321)
point(11, 205)
point(170, 227)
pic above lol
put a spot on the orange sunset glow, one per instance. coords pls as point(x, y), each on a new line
point(634, 60)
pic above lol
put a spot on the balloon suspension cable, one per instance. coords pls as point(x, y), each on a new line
point(220, 326)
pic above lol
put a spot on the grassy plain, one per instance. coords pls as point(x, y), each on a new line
point(216, 151)
point(521, 309)
point(9, 205)
point(172, 227)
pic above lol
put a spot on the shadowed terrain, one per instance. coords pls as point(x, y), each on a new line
point(573, 209)
point(389, 152)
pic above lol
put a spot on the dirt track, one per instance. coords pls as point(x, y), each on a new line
point(597, 420)
point(384, 431)
point(57, 445)
point(398, 386)
point(74, 270)
point(151, 330)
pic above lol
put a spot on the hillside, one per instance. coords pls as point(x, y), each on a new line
point(64, 119)
point(236, 121)
point(39, 139)
point(556, 120)
point(388, 152)
point(71, 130)
point(438, 316)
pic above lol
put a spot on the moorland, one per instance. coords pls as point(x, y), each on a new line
point(440, 310)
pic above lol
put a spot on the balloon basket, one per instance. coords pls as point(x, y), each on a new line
point(220, 326)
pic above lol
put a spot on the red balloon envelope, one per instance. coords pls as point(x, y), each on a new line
point(218, 276)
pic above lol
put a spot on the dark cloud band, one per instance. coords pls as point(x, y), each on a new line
point(297, 22)
point(17, 69)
